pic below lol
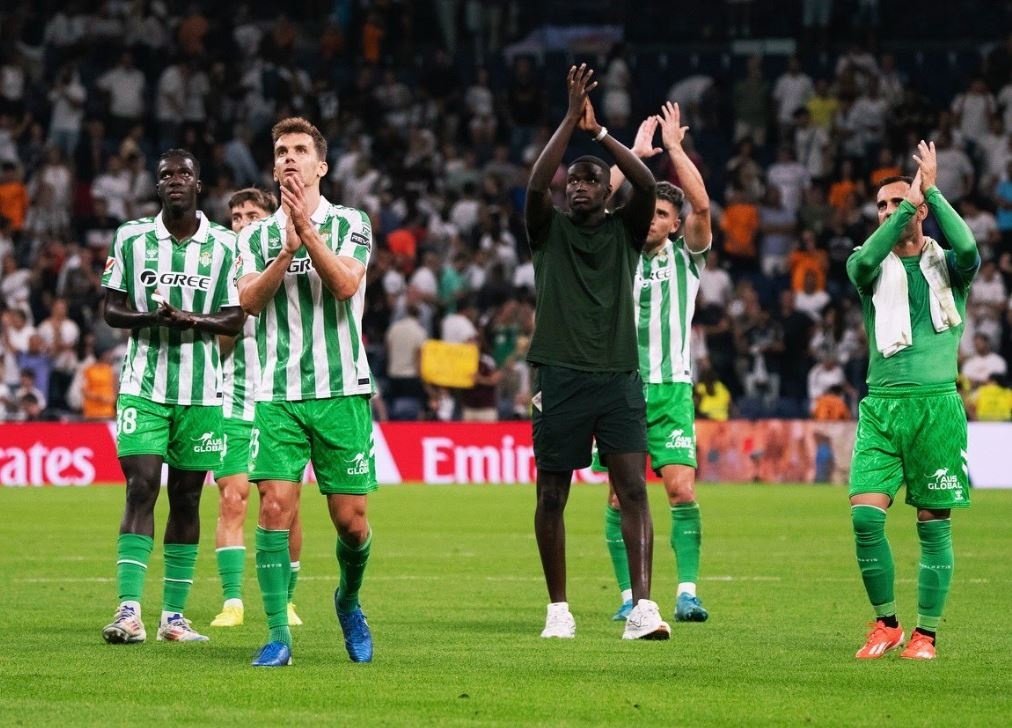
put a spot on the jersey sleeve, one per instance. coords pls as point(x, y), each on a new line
point(249, 252)
point(538, 237)
point(353, 236)
point(114, 275)
point(230, 262)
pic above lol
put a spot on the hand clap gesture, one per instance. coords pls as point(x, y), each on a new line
point(579, 85)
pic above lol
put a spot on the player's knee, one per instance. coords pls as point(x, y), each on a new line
point(551, 500)
point(274, 513)
point(682, 493)
point(869, 523)
point(233, 506)
point(141, 495)
point(633, 496)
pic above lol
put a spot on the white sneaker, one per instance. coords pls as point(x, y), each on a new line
point(126, 627)
point(177, 629)
point(645, 623)
point(560, 622)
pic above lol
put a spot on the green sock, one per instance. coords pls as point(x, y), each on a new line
point(352, 561)
point(616, 546)
point(935, 573)
point(273, 566)
point(686, 536)
point(293, 578)
point(180, 563)
point(231, 564)
point(874, 557)
point(132, 554)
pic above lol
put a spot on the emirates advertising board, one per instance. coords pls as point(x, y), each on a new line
point(436, 453)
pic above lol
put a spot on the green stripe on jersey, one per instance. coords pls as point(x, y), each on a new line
point(667, 284)
point(310, 342)
point(196, 275)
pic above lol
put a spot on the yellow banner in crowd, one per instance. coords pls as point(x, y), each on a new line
point(449, 365)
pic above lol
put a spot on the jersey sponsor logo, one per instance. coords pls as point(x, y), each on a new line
point(657, 276)
point(941, 480)
point(273, 241)
point(175, 280)
point(297, 267)
point(209, 443)
point(359, 465)
point(361, 239)
point(678, 440)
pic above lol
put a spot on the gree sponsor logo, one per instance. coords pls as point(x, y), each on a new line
point(150, 278)
point(209, 443)
point(657, 276)
point(297, 267)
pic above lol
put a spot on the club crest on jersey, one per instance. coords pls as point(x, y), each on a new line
point(941, 480)
point(150, 278)
point(208, 443)
point(205, 258)
point(678, 440)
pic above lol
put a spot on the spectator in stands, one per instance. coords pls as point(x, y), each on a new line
point(14, 201)
point(406, 395)
point(811, 299)
point(764, 342)
point(827, 373)
point(984, 363)
point(791, 91)
point(124, 86)
point(113, 186)
point(27, 388)
point(983, 225)
point(751, 102)
point(790, 176)
point(822, 105)
point(778, 226)
point(59, 337)
point(712, 397)
point(973, 109)
point(806, 256)
point(831, 405)
point(92, 392)
point(715, 286)
point(955, 172)
point(740, 225)
point(617, 104)
point(478, 404)
point(811, 145)
point(992, 401)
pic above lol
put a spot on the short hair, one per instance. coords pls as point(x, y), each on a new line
point(596, 161)
point(184, 154)
point(670, 193)
point(263, 199)
point(299, 125)
point(894, 178)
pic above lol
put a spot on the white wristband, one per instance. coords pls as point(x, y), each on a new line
point(601, 134)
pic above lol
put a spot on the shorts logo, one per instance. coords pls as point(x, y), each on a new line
point(209, 443)
point(149, 277)
point(359, 465)
point(679, 441)
point(536, 401)
point(941, 480)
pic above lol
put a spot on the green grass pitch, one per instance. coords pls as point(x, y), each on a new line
point(455, 598)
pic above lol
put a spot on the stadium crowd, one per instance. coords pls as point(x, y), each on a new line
point(434, 117)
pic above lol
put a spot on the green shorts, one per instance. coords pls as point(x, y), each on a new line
point(188, 437)
point(912, 435)
point(335, 433)
point(235, 459)
point(671, 427)
point(572, 409)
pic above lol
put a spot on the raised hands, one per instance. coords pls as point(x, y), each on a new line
point(915, 195)
point(927, 163)
point(643, 145)
point(579, 83)
point(672, 131)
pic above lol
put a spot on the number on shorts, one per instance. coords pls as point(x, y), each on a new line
point(254, 443)
point(128, 420)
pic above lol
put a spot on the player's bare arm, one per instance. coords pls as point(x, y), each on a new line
point(121, 315)
point(340, 274)
point(257, 289)
point(226, 322)
point(538, 208)
point(697, 223)
point(643, 147)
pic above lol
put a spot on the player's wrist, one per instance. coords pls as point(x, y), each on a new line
point(599, 134)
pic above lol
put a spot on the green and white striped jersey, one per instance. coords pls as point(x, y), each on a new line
point(240, 373)
point(666, 285)
point(195, 275)
point(310, 343)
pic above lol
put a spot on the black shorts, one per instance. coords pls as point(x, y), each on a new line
point(572, 408)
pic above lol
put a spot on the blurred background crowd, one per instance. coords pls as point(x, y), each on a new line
point(435, 110)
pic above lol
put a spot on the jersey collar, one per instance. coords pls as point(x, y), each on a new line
point(203, 226)
point(318, 217)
